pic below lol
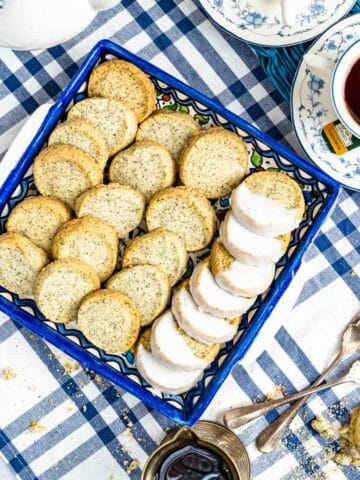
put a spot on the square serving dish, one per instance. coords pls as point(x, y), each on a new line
point(320, 193)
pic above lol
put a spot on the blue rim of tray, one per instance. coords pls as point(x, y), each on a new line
point(16, 177)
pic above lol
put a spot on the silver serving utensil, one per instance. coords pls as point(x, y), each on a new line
point(268, 439)
point(240, 416)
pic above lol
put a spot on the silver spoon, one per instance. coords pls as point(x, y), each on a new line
point(273, 433)
point(239, 416)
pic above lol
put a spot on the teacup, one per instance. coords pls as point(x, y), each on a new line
point(39, 24)
point(341, 73)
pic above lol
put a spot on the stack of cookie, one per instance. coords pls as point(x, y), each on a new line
point(206, 310)
point(113, 163)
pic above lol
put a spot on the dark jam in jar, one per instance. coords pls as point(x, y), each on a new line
point(192, 462)
point(352, 91)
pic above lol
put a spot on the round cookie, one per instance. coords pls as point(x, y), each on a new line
point(215, 161)
point(83, 135)
point(249, 248)
point(91, 240)
point(161, 248)
point(268, 203)
point(145, 166)
point(20, 263)
point(147, 285)
point(171, 345)
point(198, 324)
point(173, 130)
point(185, 212)
point(116, 123)
point(162, 377)
point(213, 299)
point(61, 286)
point(65, 172)
point(109, 320)
point(119, 205)
point(39, 218)
point(236, 277)
point(124, 81)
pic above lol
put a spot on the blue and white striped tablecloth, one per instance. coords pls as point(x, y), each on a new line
point(89, 430)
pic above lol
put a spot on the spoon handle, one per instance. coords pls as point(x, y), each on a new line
point(273, 433)
point(240, 416)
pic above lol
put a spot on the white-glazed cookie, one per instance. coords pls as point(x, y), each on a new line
point(161, 376)
point(236, 277)
point(144, 166)
point(119, 205)
point(184, 211)
point(198, 324)
point(161, 248)
point(109, 320)
point(173, 130)
point(125, 82)
point(65, 172)
point(215, 161)
point(20, 263)
point(171, 345)
point(147, 285)
point(83, 135)
point(211, 298)
point(91, 240)
point(268, 203)
point(117, 124)
point(249, 248)
point(61, 286)
point(39, 218)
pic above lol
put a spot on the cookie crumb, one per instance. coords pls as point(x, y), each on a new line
point(36, 427)
point(134, 464)
point(323, 427)
point(70, 367)
point(8, 373)
point(343, 459)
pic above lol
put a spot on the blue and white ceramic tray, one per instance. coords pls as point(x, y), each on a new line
point(320, 193)
point(261, 22)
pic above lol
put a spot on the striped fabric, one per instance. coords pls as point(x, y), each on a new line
point(58, 421)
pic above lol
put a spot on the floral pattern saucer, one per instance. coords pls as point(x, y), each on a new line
point(312, 107)
point(260, 21)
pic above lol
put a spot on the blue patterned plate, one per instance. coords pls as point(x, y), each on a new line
point(312, 109)
point(260, 21)
point(320, 193)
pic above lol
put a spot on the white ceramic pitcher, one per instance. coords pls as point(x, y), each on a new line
point(40, 24)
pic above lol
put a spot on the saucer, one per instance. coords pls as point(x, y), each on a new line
point(260, 21)
point(311, 106)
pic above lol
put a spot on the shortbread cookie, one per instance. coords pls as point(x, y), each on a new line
point(236, 277)
point(65, 172)
point(185, 212)
point(61, 286)
point(215, 162)
point(145, 166)
point(171, 345)
point(125, 82)
point(173, 130)
point(213, 299)
point(91, 240)
point(268, 203)
point(117, 124)
point(162, 377)
point(20, 263)
point(355, 428)
point(249, 248)
point(39, 218)
point(119, 205)
point(161, 248)
point(109, 320)
point(198, 324)
point(147, 285)
point(83, 135)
